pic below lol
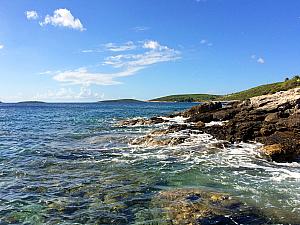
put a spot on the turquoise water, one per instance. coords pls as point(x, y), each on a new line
point(70, 164)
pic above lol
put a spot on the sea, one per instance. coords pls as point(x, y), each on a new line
point(71, 164)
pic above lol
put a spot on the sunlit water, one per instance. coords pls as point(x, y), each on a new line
point(70, 164)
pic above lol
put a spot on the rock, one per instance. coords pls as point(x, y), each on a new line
point(271, 150)
point(204, 117)
point(203, 108)
point(281, 146)
point(194, 206)
point(200, 124)
point(279, 101)
point(151, 141)
point(272, 117)
point(225, 114)
point(141, 121)
point(221, 144)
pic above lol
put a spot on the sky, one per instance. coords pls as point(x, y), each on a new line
point(85, 51)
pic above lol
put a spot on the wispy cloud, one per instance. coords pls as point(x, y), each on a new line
point(1, 46)
point(31, 15)
point(63, 18)
point(141, 28)
point(155, 53)
point(259, 60)
point(206, 42)
point(119, 48)
point(125, 64)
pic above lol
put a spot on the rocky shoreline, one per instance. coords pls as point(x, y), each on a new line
point(273, 120)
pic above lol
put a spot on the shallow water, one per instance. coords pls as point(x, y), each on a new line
point(70, 164)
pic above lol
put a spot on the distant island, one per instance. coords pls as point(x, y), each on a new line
point(31, 102)
point(242, 95)
point(126, 100)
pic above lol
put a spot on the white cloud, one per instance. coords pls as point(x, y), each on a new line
point(66, 94)
point(31, 15)
point(151, 45)
point(260, 60)
point(156, 54)
point(119, 48)
point(1, 46)
point(125, 64)
point(63, 18)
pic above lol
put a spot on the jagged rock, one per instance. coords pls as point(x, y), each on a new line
point(203, 108)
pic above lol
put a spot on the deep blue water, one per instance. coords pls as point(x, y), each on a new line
point(70, 164)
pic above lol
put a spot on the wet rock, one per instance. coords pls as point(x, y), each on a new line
point(141, 121)
point(151, 141)
point(194, 206)
point(200, 124)
point(281, 146)
point(221, 144)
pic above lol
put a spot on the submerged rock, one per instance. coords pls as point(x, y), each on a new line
point(141, 121)
point(153, 140)
point(194, 206)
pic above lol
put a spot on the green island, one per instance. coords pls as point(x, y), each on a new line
point(31, 102)
point(242, 95)
point(126, 100)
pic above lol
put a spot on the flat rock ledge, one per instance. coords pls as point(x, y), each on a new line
point(273, 120)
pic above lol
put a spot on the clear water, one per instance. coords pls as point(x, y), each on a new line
point(70, 164)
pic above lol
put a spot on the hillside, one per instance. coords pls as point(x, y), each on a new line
point(31, 102)
point(187, 98)
point(121, 101)
point(242, 95)
point(263, 89)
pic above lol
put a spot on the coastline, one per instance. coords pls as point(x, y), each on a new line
point(268, 119)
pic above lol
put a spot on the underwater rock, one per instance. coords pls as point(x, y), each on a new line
point(195, 206)
point(150, 140)
point(141, 121)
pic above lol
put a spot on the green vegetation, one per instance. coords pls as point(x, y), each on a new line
point(31, 102)
point(187, 98)
point(122, 101)
point(264, 89)
point(242, 95)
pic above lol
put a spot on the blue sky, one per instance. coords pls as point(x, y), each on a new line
point(81, 51)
